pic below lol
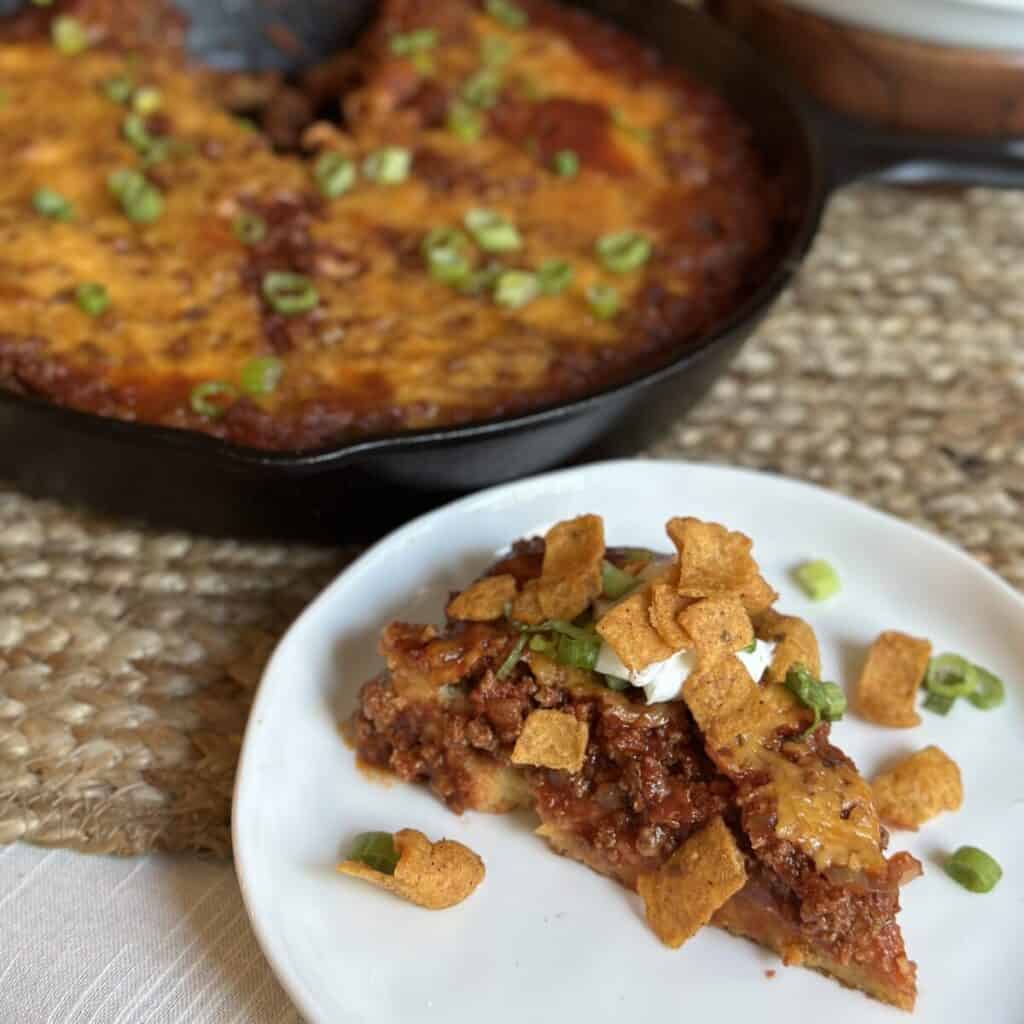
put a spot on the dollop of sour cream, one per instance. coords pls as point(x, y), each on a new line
point(663, 680)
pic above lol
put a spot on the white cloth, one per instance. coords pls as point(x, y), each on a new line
point(103, 940)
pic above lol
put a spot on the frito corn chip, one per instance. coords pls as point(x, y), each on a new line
point(892, 675)
point(918, 788)
point(571, 575)
point(712, 559)
point(485, 600)
point(552, 739)
point(526, 607)
point(663, 611)
point(717, 626)
point(702, 875)
point(758, 596)
point(795, 643)
point(431, 875)
point(627, 629)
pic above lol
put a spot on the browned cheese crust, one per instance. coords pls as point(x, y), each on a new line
point(387, 347)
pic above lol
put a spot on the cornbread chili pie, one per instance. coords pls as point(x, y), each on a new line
point(520, 205)
point(670, 730)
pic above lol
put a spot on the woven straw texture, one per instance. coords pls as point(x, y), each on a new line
point(892, 371)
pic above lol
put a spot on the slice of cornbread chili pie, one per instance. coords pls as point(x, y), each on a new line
point(669, 729)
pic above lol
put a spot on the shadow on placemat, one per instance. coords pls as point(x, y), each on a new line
point(893, 371)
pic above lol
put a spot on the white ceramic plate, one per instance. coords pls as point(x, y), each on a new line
point(544, 938)
point(985, 24)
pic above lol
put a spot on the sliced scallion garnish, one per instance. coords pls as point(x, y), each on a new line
point(974, 869)
point(147, 100)
point(950, 676)
point(51, 204)
point(140, 201)
point(119, 89)
point(495, 50)
point(514, 656)
point(615, 583)
point(510, 15)
point(989, 693)
point(566, 163)
point(579, 653)
point(554, 276)
point(420, 40)
point(826, 700)
point(388, 166)
point(482, 280)
point(623, 251)
point(376, 850)
point(335, 174)
point(617, 683)
point(92, 298)
point(288, 293)
point(249, 228)
point(211, 397)
point(940, 705)
point(447, 253)
point(818, 579)
point(482, 88)
point(516, 288)
point(603, 300)
point(465, 121)
point(69, 35)
point(751, 647)
point(491, 231)
point(260, 376)
point(135, 132)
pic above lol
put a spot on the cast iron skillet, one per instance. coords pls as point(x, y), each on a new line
point(357, 491)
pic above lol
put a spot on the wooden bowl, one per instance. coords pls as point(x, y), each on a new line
point(890, 79)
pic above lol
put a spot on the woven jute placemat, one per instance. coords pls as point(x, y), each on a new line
point(893, 371)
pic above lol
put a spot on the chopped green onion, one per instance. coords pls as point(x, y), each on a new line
point(492, 232)
point(826, 700)
point(974, 869)
point(566, 163)
point(424, 63)
point(209, 398)
point(482, 88)
point(751, 647)
point(249, 228)
point(405, 44)
point(542, 644)
point(447, 252)
point(288, 293)
point(335, 174)
point(119, 89)
point(990, 692)
point(940, 705)
point(388, 166)
point(623, 251)
point(134, 130)
point(951, 676)
point(554, 276)
point(622, 122)
point(482, 280)
point(579, 653)
point(140, 201)
point(509, 14)
point(260, 376)
point(617, 683)
point(92, 298)
point(495, 50)
point(147, 100)
point(603, 300)
point(562, 627)
point(376, 850)
point(818, 579)
point(513, 659)
point(516, 288)
point(68, 35)
point(615, 583)
point(465, 122)
point(638, 554)
point(48, 203)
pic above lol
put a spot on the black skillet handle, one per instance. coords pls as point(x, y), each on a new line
point(856, 149)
